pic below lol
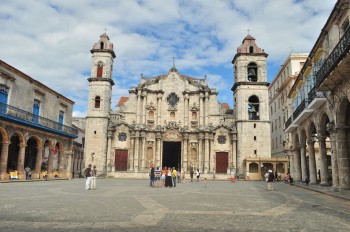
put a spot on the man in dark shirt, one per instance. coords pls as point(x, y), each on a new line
point(88, 173)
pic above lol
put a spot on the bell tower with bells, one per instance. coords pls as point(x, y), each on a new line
point(251, 103)
point(99, 104)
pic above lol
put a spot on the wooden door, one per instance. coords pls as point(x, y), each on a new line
point(221, 162)
point(121, 160)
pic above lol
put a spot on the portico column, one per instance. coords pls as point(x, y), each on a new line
point(312, 162)
point(132, 154)
point(4, 158)
point(21, 155)
point(334, 155)
point(158, 149)
point(39, 158)
point(200, 151)
point(233, 160)
point(303, 160)
point(343, 158)
point(143, 148)
point(136, 154)
point(109, 151)
point(212, 164)
point(296, 156)
point(185, 153)
point(206, 152)
point(323, 158)
point(50, 161)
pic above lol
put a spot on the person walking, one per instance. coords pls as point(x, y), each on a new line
point(198, 174)
point(174, 172)
point(248, 175)
point(28, 172)
point(168, 178)
point(163, 177)
point(183, 175)
point(151, 177)
point(191, 175)
point(88, 173)
point(270, 179)
point(93, 178)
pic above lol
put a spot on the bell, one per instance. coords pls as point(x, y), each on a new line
point(252, 74)
point(253, 109)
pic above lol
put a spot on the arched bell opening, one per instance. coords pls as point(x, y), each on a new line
point(252, 69)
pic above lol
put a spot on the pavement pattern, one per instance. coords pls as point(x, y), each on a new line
point(131, 205)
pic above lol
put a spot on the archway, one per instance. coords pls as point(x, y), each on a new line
point(172, 155)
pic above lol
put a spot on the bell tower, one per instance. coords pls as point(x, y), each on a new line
point(99, 103)
point(251, 103)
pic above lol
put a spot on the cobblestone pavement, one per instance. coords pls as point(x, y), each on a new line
point(131, 205)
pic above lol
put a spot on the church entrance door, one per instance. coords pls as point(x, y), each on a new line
point(121, 160)
point(172, 155)
point(221, 162)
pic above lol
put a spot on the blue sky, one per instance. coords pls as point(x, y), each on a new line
point(51, 40)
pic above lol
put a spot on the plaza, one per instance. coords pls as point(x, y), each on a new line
point(131, 205)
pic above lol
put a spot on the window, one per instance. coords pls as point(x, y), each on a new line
point(99, 69)
point(97, 102)
point(254, 125)
point(254, 138)
point(221, 139)
point(36, 110)
point(102, 45)
point(255, 152)
point(253, 108)
point(3, 98)
point(173, 99)
point(252, 70)
point(60, 119)
point(122, 136)
point(251, 49)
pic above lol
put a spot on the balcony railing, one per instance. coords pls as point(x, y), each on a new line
point(338, 53)
point(28, 118)
point(300, 108)
point(254, 116)
point(314, 94)
point(289, 121)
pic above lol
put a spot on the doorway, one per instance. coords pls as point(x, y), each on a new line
point(172, 155)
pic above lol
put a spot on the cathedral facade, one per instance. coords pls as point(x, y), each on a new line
point(175, 120)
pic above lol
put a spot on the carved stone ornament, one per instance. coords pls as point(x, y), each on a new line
point(172, 100)
point(150, 106)
point(172, 125)
point(122, 137)
point(194, 107)
point(221, 139)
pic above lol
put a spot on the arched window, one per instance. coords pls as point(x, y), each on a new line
point(102, 45)
point(97, 101)
point(252, 70)
point(99, 69)
point(253, 108)
point(251, 49)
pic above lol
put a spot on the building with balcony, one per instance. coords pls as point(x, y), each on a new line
point(78, 152)
point(35, 127)
point(321, 108)
point(279, 101)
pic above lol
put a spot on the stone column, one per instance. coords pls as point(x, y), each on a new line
point(206, 109)
point(201, 110)
point(303, 161)
point(334, 155)
point(158, 149)
point(136, 154)
point(186, 110)
point(185, 152)
point(297, 166)
point(144, 102)
point(143, 155)
point(312, 162)
point(132, 154)
point(109, 162)
point(212, 164)
point(343, 158)
point(323, 158)
point(200, 152)
point(4, 159)
point(138, 106)
point(234, 152)
point(206, 153)
point(39, 160)
point(21, 156)
point(50, 161)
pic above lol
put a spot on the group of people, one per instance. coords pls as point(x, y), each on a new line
point(168, 177)
point(90, 175)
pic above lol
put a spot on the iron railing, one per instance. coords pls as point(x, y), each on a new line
point(300, 108)
point(289, 121)
point(338, 53)
point(314, 94)
point(12, 112)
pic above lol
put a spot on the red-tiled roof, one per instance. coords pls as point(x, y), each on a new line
point(225, 105)
point(122, 100)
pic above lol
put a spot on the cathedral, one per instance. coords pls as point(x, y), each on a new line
point(175, 120)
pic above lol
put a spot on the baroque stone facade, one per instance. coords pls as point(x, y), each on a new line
point(176, 120)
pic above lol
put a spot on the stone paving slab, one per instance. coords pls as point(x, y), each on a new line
point(131, 205)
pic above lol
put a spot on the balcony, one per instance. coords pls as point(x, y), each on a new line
point(13, 114)
point(302, 112)
point(326, 77)
point(289, 125)
point(316, 99)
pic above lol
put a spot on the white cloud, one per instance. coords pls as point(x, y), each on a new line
point(50, 40)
